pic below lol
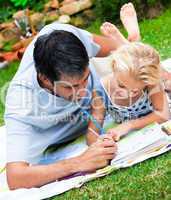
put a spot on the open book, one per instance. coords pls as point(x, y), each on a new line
point(142, 144)
point(138, 146)
point(135, 147)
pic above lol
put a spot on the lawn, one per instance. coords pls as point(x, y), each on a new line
point(148, 180)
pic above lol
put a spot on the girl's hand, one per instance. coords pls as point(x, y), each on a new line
point(119, 131)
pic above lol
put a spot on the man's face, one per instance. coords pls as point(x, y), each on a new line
point(72, 88)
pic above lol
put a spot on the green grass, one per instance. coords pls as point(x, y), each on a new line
point(150, 180)
point(5, 77)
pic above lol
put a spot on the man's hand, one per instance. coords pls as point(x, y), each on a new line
point(119, 131)
point(98, 154)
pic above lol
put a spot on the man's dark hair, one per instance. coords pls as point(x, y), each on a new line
point(60, 52)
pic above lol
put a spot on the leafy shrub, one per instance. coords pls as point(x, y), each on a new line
point(107, 10)
point(9, 7)
point(21, 3)
point(34, 4)
point(6, 10)
point(6, 14)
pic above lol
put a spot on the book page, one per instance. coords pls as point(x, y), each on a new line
point(138, 140)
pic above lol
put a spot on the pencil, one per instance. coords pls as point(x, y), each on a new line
point(98, 126)
point(93, 131)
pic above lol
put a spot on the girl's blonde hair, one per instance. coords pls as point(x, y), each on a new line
point(140, 60)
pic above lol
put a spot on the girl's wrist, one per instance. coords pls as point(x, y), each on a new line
point(131, 125)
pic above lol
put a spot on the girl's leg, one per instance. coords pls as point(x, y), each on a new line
point(111, 31)
point(129, 19)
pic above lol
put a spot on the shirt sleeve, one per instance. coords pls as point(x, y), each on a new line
point(18, 132)
point(18, 140)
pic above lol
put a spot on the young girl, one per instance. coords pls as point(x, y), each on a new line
point(135, 89)
point(137, 97)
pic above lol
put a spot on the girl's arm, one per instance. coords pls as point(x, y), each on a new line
point(161, 109)
point(160, 114)
point(98, 113)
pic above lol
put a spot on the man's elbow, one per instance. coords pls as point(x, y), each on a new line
point(12, 183)
point(16, 178)
point(16, 181)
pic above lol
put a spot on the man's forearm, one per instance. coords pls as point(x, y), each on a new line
point(22, 175)
point(26, 176)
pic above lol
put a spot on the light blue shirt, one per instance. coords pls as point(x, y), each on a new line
point(34, 118)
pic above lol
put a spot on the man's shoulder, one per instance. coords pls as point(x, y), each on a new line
point(58, 26)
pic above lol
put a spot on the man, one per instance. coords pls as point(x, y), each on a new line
point(44, 105)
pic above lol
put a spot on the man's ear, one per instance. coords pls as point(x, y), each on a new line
point(43, 77)
point(45, 81)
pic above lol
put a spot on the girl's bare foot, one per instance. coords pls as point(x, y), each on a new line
point(111, 31)
point(129, 19)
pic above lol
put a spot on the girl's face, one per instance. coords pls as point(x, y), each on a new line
point(127, 86)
